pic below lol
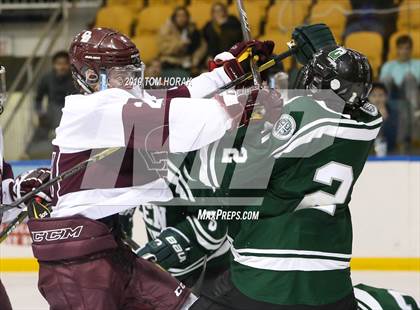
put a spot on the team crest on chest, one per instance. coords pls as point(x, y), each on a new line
point(284, 128)
point(369, 109)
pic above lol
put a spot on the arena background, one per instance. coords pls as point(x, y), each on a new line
point(386, 199)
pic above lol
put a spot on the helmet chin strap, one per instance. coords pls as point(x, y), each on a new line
point(86, 89)
point(83, 85)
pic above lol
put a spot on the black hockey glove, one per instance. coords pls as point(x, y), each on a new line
point(168, 250)
point(310, 39)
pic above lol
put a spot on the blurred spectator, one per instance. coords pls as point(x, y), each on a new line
point(222, 31)
point(154, 68)
point(387, 138)
point(54, 85)
point(181, 46)
point(402, 78)
point(370, 21)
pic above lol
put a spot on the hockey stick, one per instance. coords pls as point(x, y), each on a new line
point(12, 225)
point(131, 243)
point(246, 33)
point(196, 289)
point(72, 171)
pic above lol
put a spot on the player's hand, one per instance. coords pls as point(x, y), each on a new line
point(236, 61)
point(260, 50)
point(28, 181)
point(229, 63)
point(168, 250)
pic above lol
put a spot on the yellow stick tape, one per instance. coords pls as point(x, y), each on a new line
point(357, 263)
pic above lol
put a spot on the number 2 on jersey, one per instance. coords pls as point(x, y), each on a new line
point(323, 201)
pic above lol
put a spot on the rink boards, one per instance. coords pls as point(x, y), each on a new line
point(385, 210)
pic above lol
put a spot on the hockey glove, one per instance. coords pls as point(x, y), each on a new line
point(236, 61)
point(310, 39)
point(28, 181)
point(261, 50)
point(168, 250)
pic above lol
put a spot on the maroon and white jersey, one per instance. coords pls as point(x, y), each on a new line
point(7, 180)
point(146, 128)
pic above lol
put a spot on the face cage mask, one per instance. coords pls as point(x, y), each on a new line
point(129, 78)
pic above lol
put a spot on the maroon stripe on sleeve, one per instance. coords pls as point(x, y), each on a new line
point(178, 92)
point(150, 126)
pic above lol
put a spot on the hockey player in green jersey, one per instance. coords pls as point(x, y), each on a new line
point(297, 254)
point(197, 239)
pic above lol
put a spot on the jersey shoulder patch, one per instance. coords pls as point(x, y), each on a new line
point(370, 109)
point(370, 114)
point(284, 128)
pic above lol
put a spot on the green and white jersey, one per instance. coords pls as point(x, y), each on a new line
point(299, 175)
point(208, 238)
point(371, 298)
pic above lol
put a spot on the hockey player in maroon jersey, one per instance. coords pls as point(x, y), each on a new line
point(84, 263)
